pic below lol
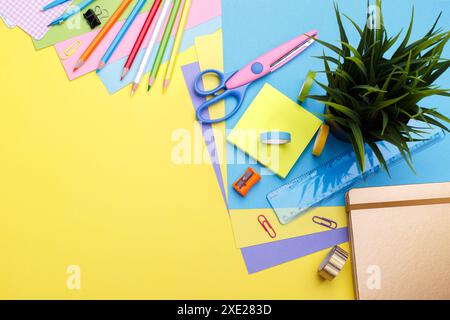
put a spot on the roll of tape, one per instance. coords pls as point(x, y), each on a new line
point(307, 85)
point(333, 263)
point(275, 137)
point(321, 140)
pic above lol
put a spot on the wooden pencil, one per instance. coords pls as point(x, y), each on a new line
point(101, 35)
point(152, 42)
point(141, 37)
point(123, 31)
point(177, 43)
point(164, 42)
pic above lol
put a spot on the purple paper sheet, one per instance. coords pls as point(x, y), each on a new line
point(190, 71)
point(267, 255)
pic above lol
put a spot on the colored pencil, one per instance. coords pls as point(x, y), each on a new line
point(177, 43)
point(140, 39)
point(98, 39)
point(71, 12)
point(123, 31)
point(151, 45)
point(164, 42)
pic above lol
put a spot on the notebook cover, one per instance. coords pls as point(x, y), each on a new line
point(400, 241)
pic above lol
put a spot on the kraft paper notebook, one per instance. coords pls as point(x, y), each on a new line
point(400, 240)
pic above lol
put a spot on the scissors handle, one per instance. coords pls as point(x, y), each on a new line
point(198, 85)
point(237, 94)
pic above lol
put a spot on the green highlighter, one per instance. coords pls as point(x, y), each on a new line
point(164, 42)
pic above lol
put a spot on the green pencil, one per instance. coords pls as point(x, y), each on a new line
point(164, 42)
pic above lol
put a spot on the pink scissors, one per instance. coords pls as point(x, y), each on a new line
point(235, 84)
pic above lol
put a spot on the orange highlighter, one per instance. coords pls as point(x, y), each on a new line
point(98, 39)
point(246, 182)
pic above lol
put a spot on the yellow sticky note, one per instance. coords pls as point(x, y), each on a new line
point(248, 231)
point(273, 111)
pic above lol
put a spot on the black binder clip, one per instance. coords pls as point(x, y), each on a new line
point(92, 19)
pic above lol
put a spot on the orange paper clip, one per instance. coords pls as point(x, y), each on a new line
point(267, 226)
point(325, 222)
point(246, 182)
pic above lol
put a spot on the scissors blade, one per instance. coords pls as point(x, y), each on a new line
point(291, 54)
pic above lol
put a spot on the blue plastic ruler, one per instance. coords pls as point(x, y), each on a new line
point(334, 176)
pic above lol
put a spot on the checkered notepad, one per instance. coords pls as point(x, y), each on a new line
point(27, 15)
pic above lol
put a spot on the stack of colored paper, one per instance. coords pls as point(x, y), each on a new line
point(72, 37)
point(260, 247)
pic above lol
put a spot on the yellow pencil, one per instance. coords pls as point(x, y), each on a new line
point(177, 43)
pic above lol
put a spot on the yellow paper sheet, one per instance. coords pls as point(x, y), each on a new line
point(210, 56)
point(89, 180)
point(273, 111)
point(249, 232)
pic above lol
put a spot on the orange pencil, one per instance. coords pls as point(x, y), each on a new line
point(94, 44)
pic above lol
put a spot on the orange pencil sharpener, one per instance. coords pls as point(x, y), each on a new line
point(246, 182)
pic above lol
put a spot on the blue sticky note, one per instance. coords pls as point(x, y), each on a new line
point(253, 27)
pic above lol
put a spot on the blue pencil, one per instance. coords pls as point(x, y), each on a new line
point(137, 8)
point(71, 12)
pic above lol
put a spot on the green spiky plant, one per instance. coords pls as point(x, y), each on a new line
point(372, 97)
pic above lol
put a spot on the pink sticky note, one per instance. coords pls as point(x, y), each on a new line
point(70, 50)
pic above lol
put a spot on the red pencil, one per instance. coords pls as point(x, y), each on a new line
point(140, 39)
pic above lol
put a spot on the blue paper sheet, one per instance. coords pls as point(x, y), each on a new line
point(252, 27)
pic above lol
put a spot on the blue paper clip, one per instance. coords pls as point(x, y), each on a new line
point(325, 222)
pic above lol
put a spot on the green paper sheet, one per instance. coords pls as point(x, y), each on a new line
point(71, 28)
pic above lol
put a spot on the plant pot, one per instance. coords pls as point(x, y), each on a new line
point(336, 130)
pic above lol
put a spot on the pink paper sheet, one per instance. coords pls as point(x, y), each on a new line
point(201, 11)
point(28, 16)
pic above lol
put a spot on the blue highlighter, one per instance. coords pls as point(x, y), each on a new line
point(71, 12)
point(54, 4)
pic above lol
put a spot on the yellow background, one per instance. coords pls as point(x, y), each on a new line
point(87, 179)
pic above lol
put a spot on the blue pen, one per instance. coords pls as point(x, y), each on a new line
point(53, 4)
point(137, 8)
point(71, 12)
